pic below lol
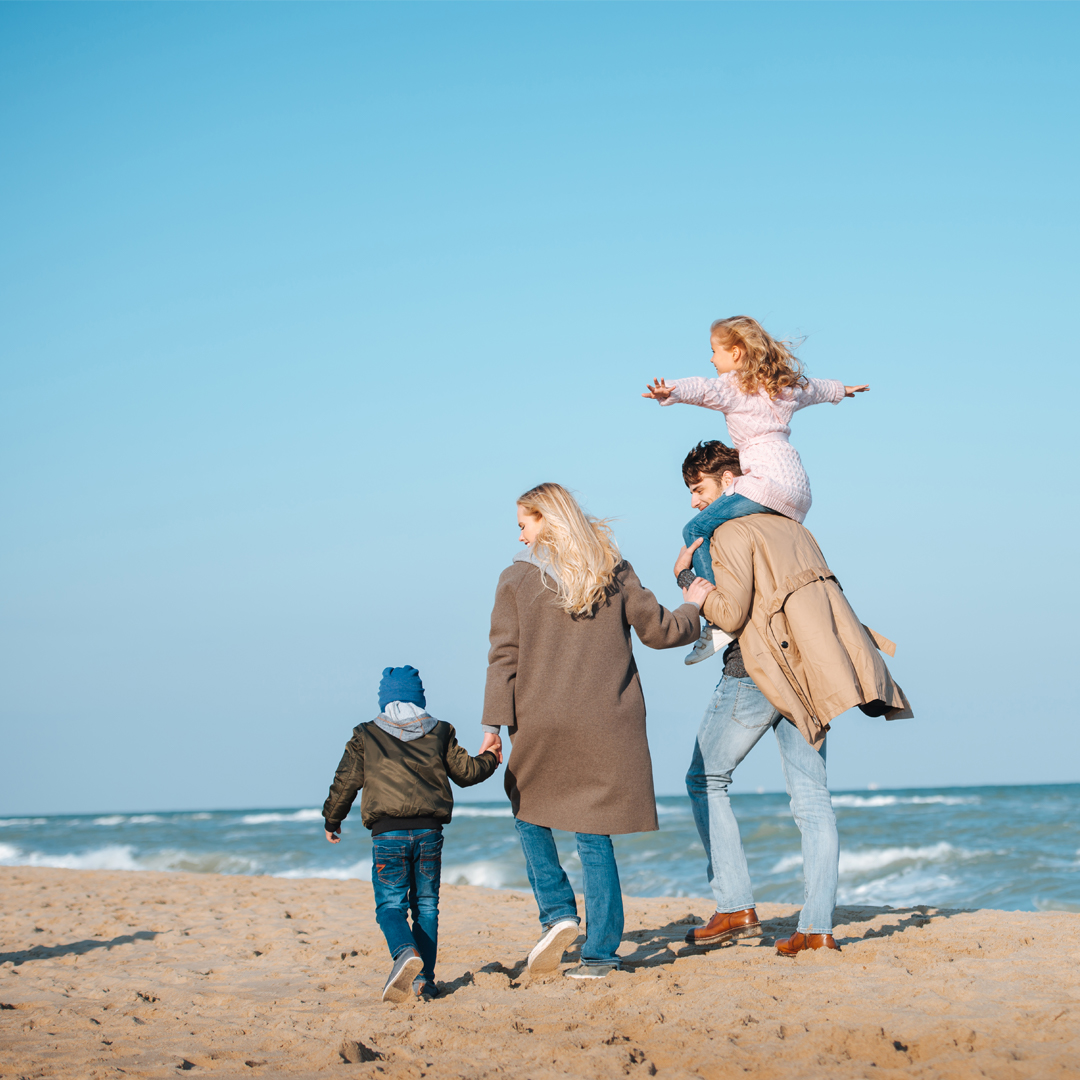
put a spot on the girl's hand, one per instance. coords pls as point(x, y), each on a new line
point(686, 556)
point(493, 743)
point(334, 838)
point(851, 391)
point(699, 588)
point(658, 390)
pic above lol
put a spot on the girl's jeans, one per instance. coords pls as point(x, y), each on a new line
point(405, 870)
point(737, 717)
point(555, 897)
point(707, 521)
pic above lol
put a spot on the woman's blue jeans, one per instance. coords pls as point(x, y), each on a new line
point(707, 521)
point(736, 719)
point(406, 866)
point(555, 897)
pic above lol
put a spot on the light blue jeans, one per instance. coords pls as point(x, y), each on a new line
point(555, 896)
point(737, 717)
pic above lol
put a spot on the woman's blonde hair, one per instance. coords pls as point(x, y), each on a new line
point(579, 548)
point(766, 364)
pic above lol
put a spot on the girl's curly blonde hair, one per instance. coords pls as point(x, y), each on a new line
point(766, 364)
point(580, 549)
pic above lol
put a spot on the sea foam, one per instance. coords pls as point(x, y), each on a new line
point(270, 818)
point(485, 873)
point(860, 802)
point(865, 862)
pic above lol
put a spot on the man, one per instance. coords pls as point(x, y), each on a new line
point(800, 658)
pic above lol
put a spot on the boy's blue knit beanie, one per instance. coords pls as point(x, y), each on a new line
point(401, 684)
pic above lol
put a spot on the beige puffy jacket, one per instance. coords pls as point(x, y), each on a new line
point(802, 643)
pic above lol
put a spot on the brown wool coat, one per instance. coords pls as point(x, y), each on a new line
point(802, 643)
point(569, 693)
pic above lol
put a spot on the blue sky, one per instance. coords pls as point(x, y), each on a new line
point(297, 299)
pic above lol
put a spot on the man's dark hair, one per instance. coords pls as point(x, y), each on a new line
point(711, 458)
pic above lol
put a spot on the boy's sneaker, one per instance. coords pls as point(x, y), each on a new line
point(590, 971)
point(548, 951)
point(399, 985)
point(712, 640)
point(424, 989)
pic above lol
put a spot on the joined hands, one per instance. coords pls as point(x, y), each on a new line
point(492, 743)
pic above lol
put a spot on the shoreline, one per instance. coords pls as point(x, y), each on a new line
point(121, 974)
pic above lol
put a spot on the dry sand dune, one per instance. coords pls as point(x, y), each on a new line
point(151, 975)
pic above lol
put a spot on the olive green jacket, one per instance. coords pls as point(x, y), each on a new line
point(402, 779)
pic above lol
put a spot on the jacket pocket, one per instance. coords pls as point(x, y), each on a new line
point(781, 640)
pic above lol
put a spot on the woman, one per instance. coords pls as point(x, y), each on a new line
point(562, 679)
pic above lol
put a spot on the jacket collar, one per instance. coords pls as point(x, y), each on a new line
point(542, 562)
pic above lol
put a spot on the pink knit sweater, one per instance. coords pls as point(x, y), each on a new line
point(773, 473)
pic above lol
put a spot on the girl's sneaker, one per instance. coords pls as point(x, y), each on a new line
point(712, 640)
point(399, 985)
point(428, 991)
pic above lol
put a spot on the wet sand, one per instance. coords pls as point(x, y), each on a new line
point(117, 974)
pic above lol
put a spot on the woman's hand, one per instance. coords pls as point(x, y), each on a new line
point(658, 390)
point(697, 590)
point(493, 743)
point(332, 837)
point(686, 556)
point(851, 391)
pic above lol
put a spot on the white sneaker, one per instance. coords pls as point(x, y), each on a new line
point(712, 640)
point(548, 952)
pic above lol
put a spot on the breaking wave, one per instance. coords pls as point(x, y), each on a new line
point(861, 802)
point(271, 818)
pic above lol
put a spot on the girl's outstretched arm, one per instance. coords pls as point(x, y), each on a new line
point(720, 394)
point(851, 391)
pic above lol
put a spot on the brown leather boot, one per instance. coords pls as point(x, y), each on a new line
point(798, 942)
point(726, 926)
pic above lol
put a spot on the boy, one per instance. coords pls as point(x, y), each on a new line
point(402, 760)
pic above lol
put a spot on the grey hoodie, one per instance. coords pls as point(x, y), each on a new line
point(405, 721)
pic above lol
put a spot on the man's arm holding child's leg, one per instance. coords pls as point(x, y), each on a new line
point(733, 567)
point(348, 780)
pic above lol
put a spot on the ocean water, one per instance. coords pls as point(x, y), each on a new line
point(1015, 848)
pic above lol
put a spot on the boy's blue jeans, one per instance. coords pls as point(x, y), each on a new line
point(738, 716)
point(555, 897)
point(405, 870)
point(707, 521)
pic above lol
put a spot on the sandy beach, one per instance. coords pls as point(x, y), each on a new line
point(116, 974)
